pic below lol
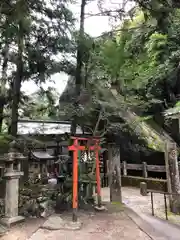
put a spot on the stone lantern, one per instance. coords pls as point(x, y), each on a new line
point(12, 175)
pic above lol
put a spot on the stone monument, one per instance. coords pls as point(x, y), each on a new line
point(12, 175)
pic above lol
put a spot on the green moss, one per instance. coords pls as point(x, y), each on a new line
point(117, 204)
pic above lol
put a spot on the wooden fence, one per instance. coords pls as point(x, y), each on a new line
point(142, 167)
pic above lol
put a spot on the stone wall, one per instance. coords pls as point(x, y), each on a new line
point(152, 183)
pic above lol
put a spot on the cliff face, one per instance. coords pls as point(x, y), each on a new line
point(69, 92)
point(176, 3)
point(155, 138)
point(66, 99)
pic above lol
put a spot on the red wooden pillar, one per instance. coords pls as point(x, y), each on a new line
point(74, 148)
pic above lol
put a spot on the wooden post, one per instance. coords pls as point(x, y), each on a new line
point(124, 168)
point(98, 179)
point(174, 177)
point(143, 188)
point(114, 173)
point(168, 173)
point(144, 167)
point(110, 168)
point(117, 160)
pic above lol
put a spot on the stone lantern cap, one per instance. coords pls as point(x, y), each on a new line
point(13, 154)
point(13, 144)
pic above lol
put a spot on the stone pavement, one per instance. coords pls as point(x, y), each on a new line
point(111, 225)
point(116, 223)
point(23, 230)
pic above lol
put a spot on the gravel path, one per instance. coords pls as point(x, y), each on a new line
point(132, 197)
point(142, 204)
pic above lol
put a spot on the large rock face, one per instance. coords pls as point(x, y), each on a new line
point(66, 99)
point(176, 3)
point(69, 92)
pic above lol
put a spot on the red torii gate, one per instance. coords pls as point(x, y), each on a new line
point(75, 147)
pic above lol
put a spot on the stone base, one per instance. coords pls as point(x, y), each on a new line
point(101, 208)
point(8, 222)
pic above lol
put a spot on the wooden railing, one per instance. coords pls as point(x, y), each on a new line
point(142, 167)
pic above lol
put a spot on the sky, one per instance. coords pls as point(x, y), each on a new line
point(94, 26)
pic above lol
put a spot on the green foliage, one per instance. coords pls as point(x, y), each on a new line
point(140, 63)
point(148, 60)
point(41, 105)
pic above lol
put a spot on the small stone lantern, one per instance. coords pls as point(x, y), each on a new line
point(12, 176)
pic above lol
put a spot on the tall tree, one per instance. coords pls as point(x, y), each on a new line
point(3, 90)
point(79, 63)
point(39, 32)
point(22, 11)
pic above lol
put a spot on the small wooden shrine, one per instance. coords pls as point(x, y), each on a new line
point(50, 147)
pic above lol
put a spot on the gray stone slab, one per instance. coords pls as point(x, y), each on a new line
point(8, 222)
point(150, 229)
point(55, 222)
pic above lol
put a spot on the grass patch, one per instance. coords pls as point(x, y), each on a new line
point(117, 206)
point(117, 203)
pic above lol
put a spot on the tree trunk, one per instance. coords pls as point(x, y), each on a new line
point(17, 83)
point(110, 172)
point(115, 174)
point(3, 81)
point(79, 65)
point(2, 103)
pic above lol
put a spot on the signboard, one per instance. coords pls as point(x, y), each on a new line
point(40, 127)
